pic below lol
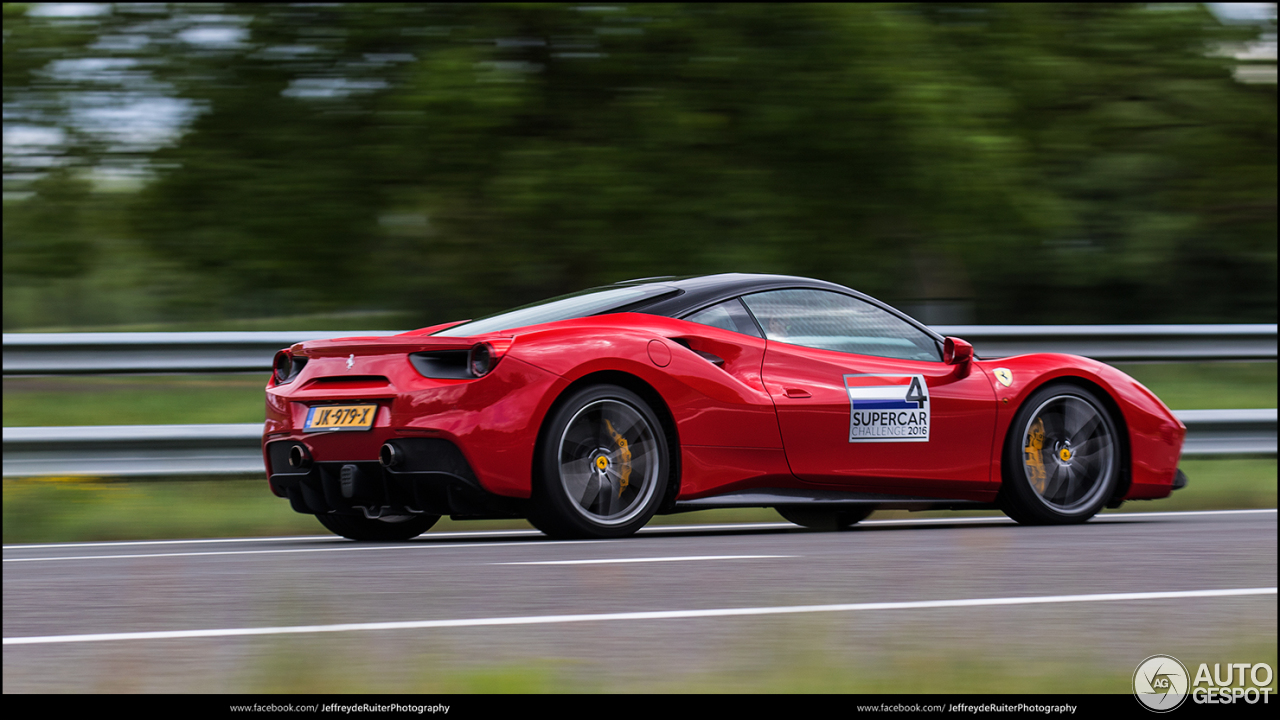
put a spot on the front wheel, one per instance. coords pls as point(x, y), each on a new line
point(602, 467)
point(392, 529)
point(826, 519)
point(1062, 458)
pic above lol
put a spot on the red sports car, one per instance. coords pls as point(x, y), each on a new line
point(591, 412)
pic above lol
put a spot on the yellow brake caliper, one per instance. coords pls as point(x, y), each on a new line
point(626, 457)
point(1035, 465)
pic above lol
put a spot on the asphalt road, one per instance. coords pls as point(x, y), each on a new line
point(885, 606)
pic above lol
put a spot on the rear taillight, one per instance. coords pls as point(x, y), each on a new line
point(286, 367)
point(281, 366)
point(480, 360)
point(483, 357)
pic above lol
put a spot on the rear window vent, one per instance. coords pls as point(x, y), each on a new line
point(350, 382)
point(441, 364)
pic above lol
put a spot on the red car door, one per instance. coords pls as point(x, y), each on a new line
point(865, 402)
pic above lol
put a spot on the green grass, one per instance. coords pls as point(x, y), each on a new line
point(181, 399)
point(1200, 386)
point(782, 655)
point(53, 510)
point(66, 510)
point(134, 400)
point(794, 666)
point(1218, 485)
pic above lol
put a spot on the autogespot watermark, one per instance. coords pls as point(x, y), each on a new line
point(1251, 683)
point(1161, 683)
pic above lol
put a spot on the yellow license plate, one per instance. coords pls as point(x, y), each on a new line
point(341, 417)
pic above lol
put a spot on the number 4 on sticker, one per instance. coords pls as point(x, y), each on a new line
point(917, 392)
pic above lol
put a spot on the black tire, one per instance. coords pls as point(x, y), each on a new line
point(1061, 457)
point(400, 527)
point(602, 467)
point(826, 519)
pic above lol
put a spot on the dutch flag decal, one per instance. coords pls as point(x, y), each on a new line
point(888, 408)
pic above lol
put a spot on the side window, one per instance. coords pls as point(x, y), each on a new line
point(728, 315)
point(831, 321)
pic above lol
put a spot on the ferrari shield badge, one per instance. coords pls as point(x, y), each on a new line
point(1003, 375)
point(888, 408)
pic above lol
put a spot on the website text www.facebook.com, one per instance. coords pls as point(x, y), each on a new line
point(970, 708)
point(336, 707)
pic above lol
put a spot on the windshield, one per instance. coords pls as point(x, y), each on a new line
point(565, 307)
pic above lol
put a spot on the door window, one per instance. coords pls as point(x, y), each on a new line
point(832, 321)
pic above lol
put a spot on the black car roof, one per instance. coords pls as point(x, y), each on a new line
point(700, 291)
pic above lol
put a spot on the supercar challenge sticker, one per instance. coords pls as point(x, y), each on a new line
point(888, 408)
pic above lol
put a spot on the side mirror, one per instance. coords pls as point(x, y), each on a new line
point(956, 351)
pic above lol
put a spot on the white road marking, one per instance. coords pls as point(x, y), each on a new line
point(280, 538)
point(343, 548)
point(1176, 513)
point(681, 558)
point(190, 541)
point(1096, 518)
point(346, 546)
point(632, 616)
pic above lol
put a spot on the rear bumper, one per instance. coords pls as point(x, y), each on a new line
point(492, 421)
point(431, 476)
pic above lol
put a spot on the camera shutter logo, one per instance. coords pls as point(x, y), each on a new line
point(1161, 683)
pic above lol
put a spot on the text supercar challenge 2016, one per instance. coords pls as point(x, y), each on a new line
point(887, 408)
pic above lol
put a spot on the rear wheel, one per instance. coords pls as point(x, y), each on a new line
point(1062, 458)
point(603, 465)
point(826, 519)
point(391, 529)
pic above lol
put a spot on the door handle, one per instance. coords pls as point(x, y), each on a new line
point(796, 393)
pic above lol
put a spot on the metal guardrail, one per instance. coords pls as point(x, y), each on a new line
point(187, 450)
point(147, 352)
point(133, 450)
point(1228, 432)
point(1120, 343)
point(215, 352)
point(192, 450)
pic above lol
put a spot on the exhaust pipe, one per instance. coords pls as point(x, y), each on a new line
point(299, 458)
point(389, 456)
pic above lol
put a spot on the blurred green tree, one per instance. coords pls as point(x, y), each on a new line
point(1050, 163)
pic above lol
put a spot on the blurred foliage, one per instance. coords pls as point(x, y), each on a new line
point(1040, 163)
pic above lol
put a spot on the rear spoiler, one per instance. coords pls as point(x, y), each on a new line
point(381, 345)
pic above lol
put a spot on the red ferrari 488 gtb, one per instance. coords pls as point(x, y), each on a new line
point(591, 412)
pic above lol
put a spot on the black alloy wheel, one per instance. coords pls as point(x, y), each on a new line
point(602, 467)
point(1062, 457)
